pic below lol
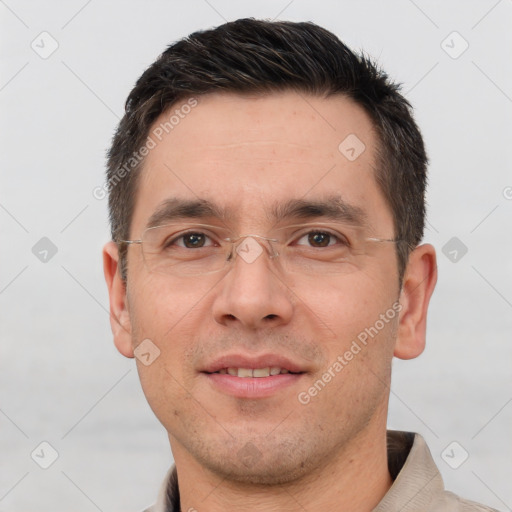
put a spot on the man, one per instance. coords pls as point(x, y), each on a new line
point(266, 194)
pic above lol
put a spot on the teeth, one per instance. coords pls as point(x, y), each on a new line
point(244, 372)
point(260, 372)
point(249, 372)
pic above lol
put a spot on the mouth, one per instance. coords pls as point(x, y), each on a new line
point(252, 377)
point(254, 372)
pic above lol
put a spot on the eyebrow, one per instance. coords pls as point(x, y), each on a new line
point(174, 208)
point(331, 208)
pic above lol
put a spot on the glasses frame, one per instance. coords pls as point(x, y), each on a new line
point(272, 252)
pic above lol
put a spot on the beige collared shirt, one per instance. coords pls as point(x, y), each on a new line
point(417, 483)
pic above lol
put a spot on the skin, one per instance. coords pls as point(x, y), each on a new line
point(246, 152)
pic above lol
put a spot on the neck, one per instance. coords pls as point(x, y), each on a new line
point(355, 479)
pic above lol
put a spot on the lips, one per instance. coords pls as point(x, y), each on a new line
point(253, 377)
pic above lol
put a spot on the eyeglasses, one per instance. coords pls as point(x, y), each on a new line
point(185, 249)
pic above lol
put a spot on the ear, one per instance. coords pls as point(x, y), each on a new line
point(418, 285)
point(119, 314)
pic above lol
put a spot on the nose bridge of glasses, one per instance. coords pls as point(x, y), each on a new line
point(250, 246)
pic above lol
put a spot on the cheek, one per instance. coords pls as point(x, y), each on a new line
point(345, 305)
point(357, 376)
point(171, 313)
point(162, 303)
point(168, 313)
point(163, 389)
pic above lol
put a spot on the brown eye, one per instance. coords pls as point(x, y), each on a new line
point(193, 240)
point(319, 239)
point(190, 240)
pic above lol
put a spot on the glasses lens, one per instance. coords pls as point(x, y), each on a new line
point(182, 249)
point(319, 249)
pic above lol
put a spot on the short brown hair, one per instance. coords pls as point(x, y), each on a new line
point(257, 56)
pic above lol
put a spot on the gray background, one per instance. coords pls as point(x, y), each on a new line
point(61, 379)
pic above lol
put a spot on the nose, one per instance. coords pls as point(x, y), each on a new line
point(253, 294)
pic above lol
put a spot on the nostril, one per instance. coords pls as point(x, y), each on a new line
point(271, 317)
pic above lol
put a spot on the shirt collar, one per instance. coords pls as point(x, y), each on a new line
point(418, 481)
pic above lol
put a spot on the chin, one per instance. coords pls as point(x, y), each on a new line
point(265, 475)
point(260, 464)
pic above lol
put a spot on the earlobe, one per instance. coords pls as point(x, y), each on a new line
point(418, 285)
point(119, 314)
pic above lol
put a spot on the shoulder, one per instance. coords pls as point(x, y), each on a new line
point(453, 503)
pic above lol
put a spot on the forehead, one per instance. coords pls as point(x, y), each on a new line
point(245, 153)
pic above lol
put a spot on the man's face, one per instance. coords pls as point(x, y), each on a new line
point(248, 155)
